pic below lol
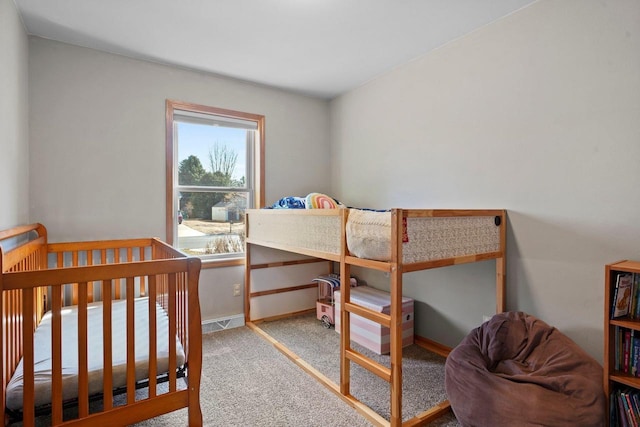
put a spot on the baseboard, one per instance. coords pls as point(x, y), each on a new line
point(283, 316)
point(432, 346)
point(223, 323)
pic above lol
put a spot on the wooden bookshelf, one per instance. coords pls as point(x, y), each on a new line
point(617, 379)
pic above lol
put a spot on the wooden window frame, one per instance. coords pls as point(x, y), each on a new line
point(258, 166)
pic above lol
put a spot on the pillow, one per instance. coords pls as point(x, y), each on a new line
point(320, 201)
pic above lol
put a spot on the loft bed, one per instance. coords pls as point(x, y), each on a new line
point(90, 321)
point(396, 242)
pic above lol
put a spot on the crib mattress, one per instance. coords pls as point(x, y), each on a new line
point(43, 361)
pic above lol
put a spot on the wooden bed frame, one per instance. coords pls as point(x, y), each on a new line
point(37, 276)
point(264, 228)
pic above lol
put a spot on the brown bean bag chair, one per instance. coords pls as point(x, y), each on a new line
point(515, 370)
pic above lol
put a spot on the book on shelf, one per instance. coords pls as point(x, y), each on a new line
point(622, 413)
point(635, 352)
point(633, 303)
point(626, 351)
point(618, 345)
point(623, 408)
point(632, 415)
point(635, 399)
point(622, 295)
point(626, 357)
point(613, 409)
point(636, 296)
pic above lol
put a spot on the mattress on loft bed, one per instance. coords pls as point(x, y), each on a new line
point(368, 233)
point(424, 238)
point(43, 361)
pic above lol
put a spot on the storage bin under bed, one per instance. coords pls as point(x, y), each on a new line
point(370, 334)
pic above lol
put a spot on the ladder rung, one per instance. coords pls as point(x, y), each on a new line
point(374, 316)
point(369, 364)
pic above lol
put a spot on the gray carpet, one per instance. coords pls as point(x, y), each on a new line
point(248, 382)
point(423, 371)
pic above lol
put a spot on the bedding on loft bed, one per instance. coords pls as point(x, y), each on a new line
point(43, 360)
point(311, 201)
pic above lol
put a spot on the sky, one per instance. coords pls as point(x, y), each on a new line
point(197, 139)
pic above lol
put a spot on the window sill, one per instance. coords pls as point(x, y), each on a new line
point(221, 263)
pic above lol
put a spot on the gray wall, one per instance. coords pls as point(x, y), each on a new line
point(14, 110)
point(97, 130)
point(538, 113)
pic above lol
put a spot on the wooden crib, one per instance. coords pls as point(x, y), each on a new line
point(42, 281)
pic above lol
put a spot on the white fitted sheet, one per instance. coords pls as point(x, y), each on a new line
point(43, 361)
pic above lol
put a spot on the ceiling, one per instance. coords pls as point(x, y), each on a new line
point(316, 47)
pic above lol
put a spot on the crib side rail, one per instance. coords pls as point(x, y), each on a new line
point(172, 282)
point(75, 254)
point(21, 248)
point(161, 250)
point(22, 230)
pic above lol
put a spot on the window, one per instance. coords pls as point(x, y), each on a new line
point(215, 169)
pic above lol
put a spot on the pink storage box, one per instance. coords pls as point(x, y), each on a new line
point(370, 334)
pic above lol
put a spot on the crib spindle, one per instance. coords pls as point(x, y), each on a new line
point(172, 330)
point(56, 355)
point(107, 381)
point(83, 363)
point(131, 340)
point(182, 319)
point(90, 284)
point(60, 264)
point(118, 282)
point(28, 397)
point(143, 291)
point(74, 286)
point(13, 333)
point(153, 334)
